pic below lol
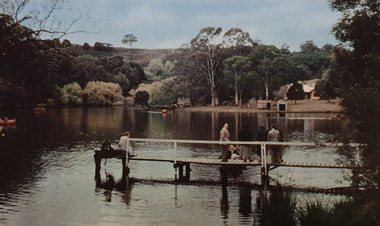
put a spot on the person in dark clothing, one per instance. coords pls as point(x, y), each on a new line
point(245, 150)
point(262, 135)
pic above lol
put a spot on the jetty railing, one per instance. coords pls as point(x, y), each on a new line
point(263, 144)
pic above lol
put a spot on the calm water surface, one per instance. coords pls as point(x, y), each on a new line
point(47, 167)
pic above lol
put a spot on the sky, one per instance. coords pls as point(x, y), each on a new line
point(161, 24)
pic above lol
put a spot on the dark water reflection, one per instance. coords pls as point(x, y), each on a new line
point(47, 167)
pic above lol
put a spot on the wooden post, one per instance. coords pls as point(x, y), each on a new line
point(188, 169)
point(97, 168)
point(181, 176)
point(264, 165)
point(175, 150)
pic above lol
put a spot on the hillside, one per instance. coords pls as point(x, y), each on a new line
point(140, 56)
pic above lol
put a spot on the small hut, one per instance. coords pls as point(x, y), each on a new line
point(281, 105)
point(183, 102)
point(264, 104)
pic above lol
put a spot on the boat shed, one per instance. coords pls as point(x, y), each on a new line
point(282, 105)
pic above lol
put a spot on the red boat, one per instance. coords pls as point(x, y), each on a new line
point(10, 122)
point(339, 118)
point(39, 109)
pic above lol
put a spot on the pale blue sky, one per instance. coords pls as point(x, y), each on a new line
point(170, 23)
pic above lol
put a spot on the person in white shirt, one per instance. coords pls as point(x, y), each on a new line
point(123, 143)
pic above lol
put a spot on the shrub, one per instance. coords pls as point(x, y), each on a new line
point(103, 93)
point(71, 94)
point(142, 98)
point(161, 93)
point(86, 46)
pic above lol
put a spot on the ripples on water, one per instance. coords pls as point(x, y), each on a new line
point(48, 171)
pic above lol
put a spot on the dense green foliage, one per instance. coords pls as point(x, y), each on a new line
point(356, 67)
point(142, 98)
point(355, 74)
point(71, 94)
point(296, 92)
point(31, 69)
point(104, 93)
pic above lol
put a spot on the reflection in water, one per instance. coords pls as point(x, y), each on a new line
point(245, 201)
point(109, 184)
point(224, 205)
point(50, 157)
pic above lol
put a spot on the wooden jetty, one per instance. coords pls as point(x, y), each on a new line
point(183, 163)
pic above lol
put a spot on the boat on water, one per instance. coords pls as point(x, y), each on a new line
point(9, 122)
point(339, 118)
point(39, 109)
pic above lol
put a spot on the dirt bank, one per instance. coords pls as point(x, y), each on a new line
point(301, 106)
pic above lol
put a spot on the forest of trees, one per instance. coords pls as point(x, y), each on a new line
point(207, 70)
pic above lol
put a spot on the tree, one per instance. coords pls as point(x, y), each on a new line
point(188, 77)
point(86, 46)
point(296, 92)
point(315, 59)
point(103, 93)
point(238, 41)
point(142, 98)
point(157, 70)
point(86, 68)
point(129, 38)
point(72, 94)
point(32, 64)
point(100, 46)
point(42, 18)
point(325, 87)
point(209, 57)
point(270, 64)
point(356, 67)
point(236, 70)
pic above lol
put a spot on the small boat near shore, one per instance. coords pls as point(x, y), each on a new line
point(9, 122)
point(39, 109)
point(339, 118)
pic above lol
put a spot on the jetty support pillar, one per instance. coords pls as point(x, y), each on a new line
point(180, 166)
point(116, 153)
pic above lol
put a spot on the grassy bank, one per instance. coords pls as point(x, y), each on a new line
point(312, 106)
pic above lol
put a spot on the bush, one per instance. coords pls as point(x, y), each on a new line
point(162, 92)
point(142, 98)
point(104, 93)
point(86, 46)
point(296, 92)
point(71, 94)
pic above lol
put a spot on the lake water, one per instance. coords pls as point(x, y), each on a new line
point(47, 167)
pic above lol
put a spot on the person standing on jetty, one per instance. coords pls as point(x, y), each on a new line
point(275, 150)
point(124, 142)
point(245, 150)
point(262, 135)
point(225, 136)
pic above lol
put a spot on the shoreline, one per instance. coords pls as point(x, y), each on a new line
point(303, 106)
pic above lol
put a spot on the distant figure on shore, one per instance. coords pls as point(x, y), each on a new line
point(275, 150)
point(262, 135)
point(123, 143)
point(225, 136)
point(245, 150)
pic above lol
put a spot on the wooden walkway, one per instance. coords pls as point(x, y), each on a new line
point(183, 163)
point(230, 162)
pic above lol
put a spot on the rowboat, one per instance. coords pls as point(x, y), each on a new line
point(9, 122)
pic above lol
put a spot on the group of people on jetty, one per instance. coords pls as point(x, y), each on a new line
point(244, 152)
